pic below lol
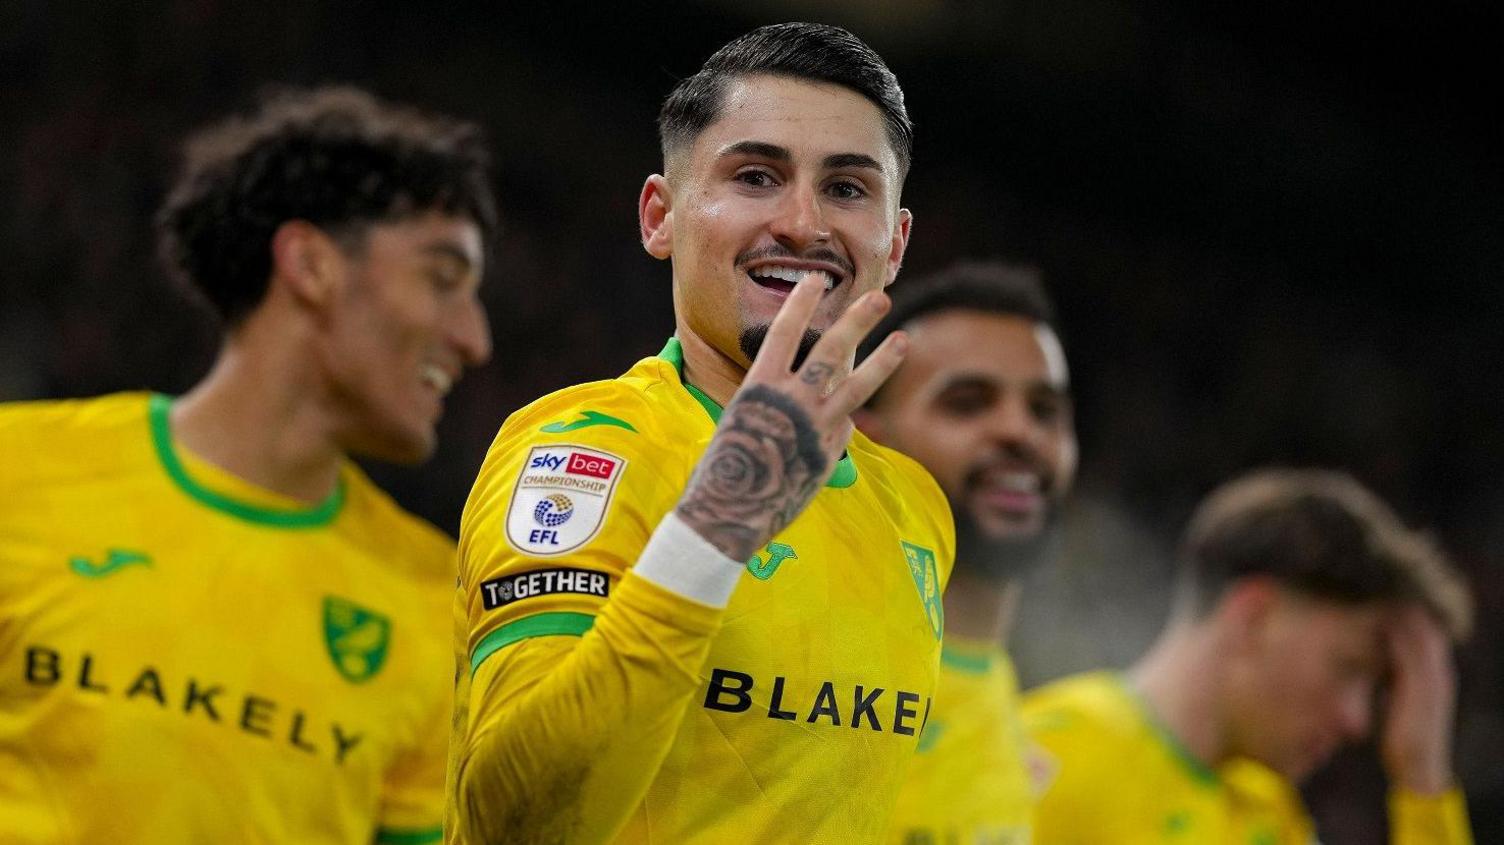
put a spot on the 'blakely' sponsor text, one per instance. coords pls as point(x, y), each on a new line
point(252, 714)
point(873, 708)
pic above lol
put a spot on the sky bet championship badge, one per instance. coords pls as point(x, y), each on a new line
point(561, 498)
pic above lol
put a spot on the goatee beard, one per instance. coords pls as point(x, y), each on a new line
point(752, 339)
point(1002, 559)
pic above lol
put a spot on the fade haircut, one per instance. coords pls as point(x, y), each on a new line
point(989, 287)
point(1319, 533)
point(807, 51)
point(334, 156)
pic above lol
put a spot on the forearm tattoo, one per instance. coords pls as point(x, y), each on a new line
point(763, 466)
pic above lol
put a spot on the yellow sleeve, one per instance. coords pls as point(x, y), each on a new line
point(580, 678)
point(1416, 819)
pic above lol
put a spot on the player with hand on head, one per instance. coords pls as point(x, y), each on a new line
point(983, 401)
point(1299, 593)
point(695, 606)
point(213, 626)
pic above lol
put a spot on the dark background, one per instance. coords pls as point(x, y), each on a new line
point(1273, 229)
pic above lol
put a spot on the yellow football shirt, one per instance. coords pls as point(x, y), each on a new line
point(1117, 775)
point(969, 784)
point(607, 708)
point(185, 657)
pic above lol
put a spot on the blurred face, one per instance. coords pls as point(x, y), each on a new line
point(982, 401)
point(406, 322)
point(1306, 684)
point(793, 178)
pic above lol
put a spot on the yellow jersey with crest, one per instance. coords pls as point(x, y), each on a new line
point(796, 717)
point(970, 782)
point(1116, 774)
point(185, 657)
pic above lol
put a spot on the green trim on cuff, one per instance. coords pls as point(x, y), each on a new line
point(845, 473)
point(539, 625)
point(408, 836)
point(159, 414)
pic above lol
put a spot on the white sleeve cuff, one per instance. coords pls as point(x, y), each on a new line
point(679, 560)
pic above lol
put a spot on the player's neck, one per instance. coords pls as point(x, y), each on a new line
point(707, 368)
point(979, 609)
point(250, 419)
point(1179, 681)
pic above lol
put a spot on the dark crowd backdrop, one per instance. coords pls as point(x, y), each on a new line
point(1274, 231)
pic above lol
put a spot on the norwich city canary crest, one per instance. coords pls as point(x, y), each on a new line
point(356, 638)
point(927, 579)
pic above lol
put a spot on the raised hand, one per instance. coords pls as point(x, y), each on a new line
point(783, 431)
point(1417, 741)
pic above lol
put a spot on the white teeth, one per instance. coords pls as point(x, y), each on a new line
point(435, 377)
point(1019, 482)
point(791, 274)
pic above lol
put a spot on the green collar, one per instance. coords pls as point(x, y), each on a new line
point(321, 514)
point(673, 352)
point(1198, 770)
point(969, 657)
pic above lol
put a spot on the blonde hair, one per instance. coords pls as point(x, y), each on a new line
point(1322, 533)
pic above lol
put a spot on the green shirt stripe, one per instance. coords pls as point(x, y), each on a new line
point(539, 625)
point(408, 836)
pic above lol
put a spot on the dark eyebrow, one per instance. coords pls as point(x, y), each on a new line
point(967, 381)
point(975, 381)
point(844, 160)
point(758, 149)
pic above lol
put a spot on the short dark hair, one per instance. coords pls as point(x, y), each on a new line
point(808, 51)
point(1320, 533)
point(991, 287)
point(336, 157)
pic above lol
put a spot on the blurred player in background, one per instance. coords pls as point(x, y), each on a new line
point(213, 627)
point(982, 400)
point(655, 649)
point(1300, 596)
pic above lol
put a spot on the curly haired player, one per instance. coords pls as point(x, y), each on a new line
point(213, 627)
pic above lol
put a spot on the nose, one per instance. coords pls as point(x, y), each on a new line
point(1011, 422)
point(470, 333)
point(1355, 712)
point(800, 220)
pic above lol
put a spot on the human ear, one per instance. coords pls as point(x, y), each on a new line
point(655, 217)
point(898, 244)
point(306, 263)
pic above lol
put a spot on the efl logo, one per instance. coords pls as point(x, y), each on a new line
point(590, 465)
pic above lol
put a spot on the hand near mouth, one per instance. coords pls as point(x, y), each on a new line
point(784, 429)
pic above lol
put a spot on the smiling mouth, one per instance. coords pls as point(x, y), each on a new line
point(782, 278)
point(1010, 489)
point(435, 377)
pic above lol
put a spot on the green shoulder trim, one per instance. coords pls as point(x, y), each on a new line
point(673, 352)
point(967, 662)
point(1198, 770)
point(408, 836)
point(160, 409)
point(538, 625)
point(586, 420)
